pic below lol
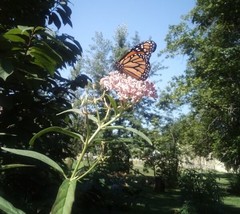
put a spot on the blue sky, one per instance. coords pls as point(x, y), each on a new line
point(149, 18)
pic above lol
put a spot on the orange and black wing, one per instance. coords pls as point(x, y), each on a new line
point(136, 62)
point(147, 47)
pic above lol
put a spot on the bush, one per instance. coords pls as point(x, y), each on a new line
point(235, 184)
point(200, 190)
point(109, 193)
point(187, 208)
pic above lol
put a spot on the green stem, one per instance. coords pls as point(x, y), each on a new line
point(90, 169)
point(88, 141)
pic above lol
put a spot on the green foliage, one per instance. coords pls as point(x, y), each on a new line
point(37, 156)
point(187, 208)
point(7, 207)
point(119, 156)
point(200, 190)
point(23, 45)
point(32, 90)
point(35, 13)
point(235, 184)
point(164, 162)
point(164, 157)
point(209, 37)
point(105, 190)
point(65, 197)
point(98, 63)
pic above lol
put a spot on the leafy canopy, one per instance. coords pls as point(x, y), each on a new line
point(209, 37)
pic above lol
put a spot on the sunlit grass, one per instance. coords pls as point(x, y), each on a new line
point(232, 201)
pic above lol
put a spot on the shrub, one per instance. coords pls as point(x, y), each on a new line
point(201, 190)
point(187, 208)
point(235, 184)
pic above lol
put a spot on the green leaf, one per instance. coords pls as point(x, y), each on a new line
point(56, 20)
point(74, 110)
point(65, 197)
point(64, 16)
point(23, 29)
point(37, 29)
point(45, 57)
point(8, 208)
point(42, 61)
point(135, 131)
point(7, 134)
point(6, 68)
point(91, 117)
point(78, 111)
point(14, 38)
point(67, 9)
point(54, 129)
point(12, 166)
point(51, 53)
point(37, 156)
point(113, 103)
point(18, 34)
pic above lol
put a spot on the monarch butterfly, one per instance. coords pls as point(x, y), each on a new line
point(136, 62)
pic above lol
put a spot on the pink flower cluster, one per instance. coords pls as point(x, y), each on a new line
point(128, 88)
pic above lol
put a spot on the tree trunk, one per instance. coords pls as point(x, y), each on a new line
point(159, 184)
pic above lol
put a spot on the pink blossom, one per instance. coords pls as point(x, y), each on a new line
point(128, 88)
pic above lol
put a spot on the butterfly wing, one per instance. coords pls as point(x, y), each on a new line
point(136, 62)
point(147, 47)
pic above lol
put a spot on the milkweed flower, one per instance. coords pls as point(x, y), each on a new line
point(128, 88)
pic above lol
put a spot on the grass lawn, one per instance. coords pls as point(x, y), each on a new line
point(150, 202)
point(231, 203)
point(170, 201)
point(155, 203)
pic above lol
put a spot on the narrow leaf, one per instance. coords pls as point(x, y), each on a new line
point(15, 38)
point(78, 111)
point(6, 68)
point(12, 166)
point(113, 103)
point(65, 197)
point(91, 117)
point(64, 16)
point(25, 28)
point(135, 131)
point(8, 208)
point(74, 110)
point(37, 156)
point(56, 20)
point(54, 129)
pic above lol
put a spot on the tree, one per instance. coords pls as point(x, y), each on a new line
point(32, 90)
point(98, 63)
point(209, 37)
point(32, 93)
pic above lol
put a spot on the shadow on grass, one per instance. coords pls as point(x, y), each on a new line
point(153, 203)
point(230, 209)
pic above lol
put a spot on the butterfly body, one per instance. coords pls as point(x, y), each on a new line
point(135, 63)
